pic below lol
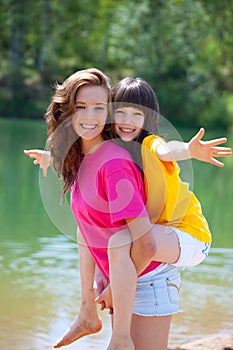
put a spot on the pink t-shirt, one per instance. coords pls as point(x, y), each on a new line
point(108, 190)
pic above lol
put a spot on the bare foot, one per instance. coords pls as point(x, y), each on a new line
point(79, 329)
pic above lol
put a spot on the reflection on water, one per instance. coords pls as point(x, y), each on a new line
point(40, 295)
point(206, 298)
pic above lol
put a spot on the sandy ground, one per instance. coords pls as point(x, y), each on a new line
point(218, 342)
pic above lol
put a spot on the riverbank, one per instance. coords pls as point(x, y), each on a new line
point(217, 342)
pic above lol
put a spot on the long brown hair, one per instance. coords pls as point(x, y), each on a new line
point(63, 143)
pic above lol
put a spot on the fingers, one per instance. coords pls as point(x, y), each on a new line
point(105, 297)
point(41, 158)
point(100, 284)
point(99, 299)
point(34, 154)
point(216, 142)
point(217, 162)
point(110, 311)
point(212, 143)
point(103, 305)
point(31, 152)
point(221, 151)
point(44, 171)
point(200, 134)
point(42, 167)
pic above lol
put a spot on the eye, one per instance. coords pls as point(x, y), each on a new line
point(139, 115)
point(80, 107)
point(118, 111)
point(99, 108)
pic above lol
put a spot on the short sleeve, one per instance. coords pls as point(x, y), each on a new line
point(124, 190)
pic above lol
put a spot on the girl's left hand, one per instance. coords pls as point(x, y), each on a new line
point(207, 151)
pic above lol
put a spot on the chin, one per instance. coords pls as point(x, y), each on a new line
point(125, 139)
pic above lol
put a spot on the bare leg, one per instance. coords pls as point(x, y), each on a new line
point(150, 333)
point(123, 280)
point(88, 321)
point(167, 244)
point(160, 243)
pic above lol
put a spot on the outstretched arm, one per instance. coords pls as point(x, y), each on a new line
point(41, 157)
point(205, 151)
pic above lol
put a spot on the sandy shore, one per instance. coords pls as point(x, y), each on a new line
point(217, 342)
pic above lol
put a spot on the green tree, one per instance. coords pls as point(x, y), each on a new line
point(182, 47)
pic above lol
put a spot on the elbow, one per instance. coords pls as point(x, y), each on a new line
point(118, 243)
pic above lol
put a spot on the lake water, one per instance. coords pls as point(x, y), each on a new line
point(40, 289)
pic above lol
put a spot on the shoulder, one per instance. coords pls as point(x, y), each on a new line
point(151, 158)
point(152, 142)
point(117, 159)
point(114, 151)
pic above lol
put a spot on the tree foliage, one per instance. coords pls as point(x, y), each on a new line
point(182, 47)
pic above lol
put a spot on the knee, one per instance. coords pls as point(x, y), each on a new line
point(148, 246)
point(151, 250)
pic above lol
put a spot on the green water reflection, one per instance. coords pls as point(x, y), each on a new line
point(40, 288)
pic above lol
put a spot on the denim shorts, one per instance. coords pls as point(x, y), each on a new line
point(157, 292)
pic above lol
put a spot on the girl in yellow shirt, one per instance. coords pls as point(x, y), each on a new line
point(180, 234)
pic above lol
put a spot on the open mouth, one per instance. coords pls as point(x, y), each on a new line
point(88, 126)
point(127, 130)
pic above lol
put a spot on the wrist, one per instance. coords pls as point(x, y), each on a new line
point(190, 150)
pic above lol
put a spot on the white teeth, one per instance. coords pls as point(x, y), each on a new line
point(88, 126)
point(127, 130)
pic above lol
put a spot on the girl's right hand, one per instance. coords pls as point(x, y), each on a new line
point(41, 157)
point(105, 299)
point(102, 290)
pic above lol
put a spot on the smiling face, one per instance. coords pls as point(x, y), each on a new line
point(91, 115)
point(128, 122)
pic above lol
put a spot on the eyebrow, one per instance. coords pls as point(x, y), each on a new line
point(122, 108)
point(98, 103)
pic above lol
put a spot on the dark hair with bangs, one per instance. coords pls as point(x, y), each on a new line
point(137, 93)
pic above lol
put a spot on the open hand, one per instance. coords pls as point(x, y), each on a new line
point(207, 151)
point(41, 157)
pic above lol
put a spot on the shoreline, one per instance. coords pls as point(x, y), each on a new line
point(216, 342)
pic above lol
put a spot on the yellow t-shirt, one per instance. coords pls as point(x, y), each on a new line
point(169, 200)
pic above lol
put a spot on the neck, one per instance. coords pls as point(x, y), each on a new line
point(90, 146)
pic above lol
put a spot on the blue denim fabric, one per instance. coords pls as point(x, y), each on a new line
point(157, 293)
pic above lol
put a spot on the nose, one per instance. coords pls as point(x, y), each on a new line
point(127, 118)
point(90, 113)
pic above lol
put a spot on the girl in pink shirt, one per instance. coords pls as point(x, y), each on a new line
point(107, 196)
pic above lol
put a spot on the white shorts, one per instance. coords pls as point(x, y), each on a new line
point(192, 251)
